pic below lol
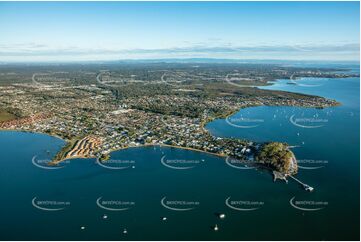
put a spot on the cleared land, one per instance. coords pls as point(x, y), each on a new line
point(6, 116)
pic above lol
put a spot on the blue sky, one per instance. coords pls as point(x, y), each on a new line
point(70, 31)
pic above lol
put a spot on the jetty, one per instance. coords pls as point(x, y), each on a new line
point(304, 185)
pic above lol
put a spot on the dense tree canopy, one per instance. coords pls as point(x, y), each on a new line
point(278, 156)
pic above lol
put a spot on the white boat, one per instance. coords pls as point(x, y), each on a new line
point(215, 228)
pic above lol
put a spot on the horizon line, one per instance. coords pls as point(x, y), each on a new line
point(188, 59)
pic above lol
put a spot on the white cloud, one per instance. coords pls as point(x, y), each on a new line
point(36, 52)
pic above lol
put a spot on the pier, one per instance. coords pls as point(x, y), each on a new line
point(304, 185)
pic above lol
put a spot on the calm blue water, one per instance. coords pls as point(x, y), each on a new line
point(332, 145)
point(145, 181)
point(81, 182)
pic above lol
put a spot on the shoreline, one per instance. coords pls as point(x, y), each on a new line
point(34, 132)
point(140, 146)
point(203, 125)
point(123, 148)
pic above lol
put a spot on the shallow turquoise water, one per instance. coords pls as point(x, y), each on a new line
point(207, 184)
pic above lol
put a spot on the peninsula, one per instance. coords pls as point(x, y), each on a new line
point(100, 109)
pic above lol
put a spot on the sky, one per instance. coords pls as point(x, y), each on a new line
point(86, 31)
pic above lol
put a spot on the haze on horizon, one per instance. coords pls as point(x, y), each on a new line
point(86, 31)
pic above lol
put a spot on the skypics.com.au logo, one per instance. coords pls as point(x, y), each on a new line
point(308, 123)
point(179, 205)
point(116, 164)
point(293, 81)
point(243, 205)
point(240, 164)
point(114, 205)
point(244, 123)
point(49, 205)
point(180, 164)
point(307, 205)
point(46, 163)
point(311, 164)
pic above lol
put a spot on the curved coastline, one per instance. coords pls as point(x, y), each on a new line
point(34, 132)
point(203, 125)
point(271, 83)
point(123, 148)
